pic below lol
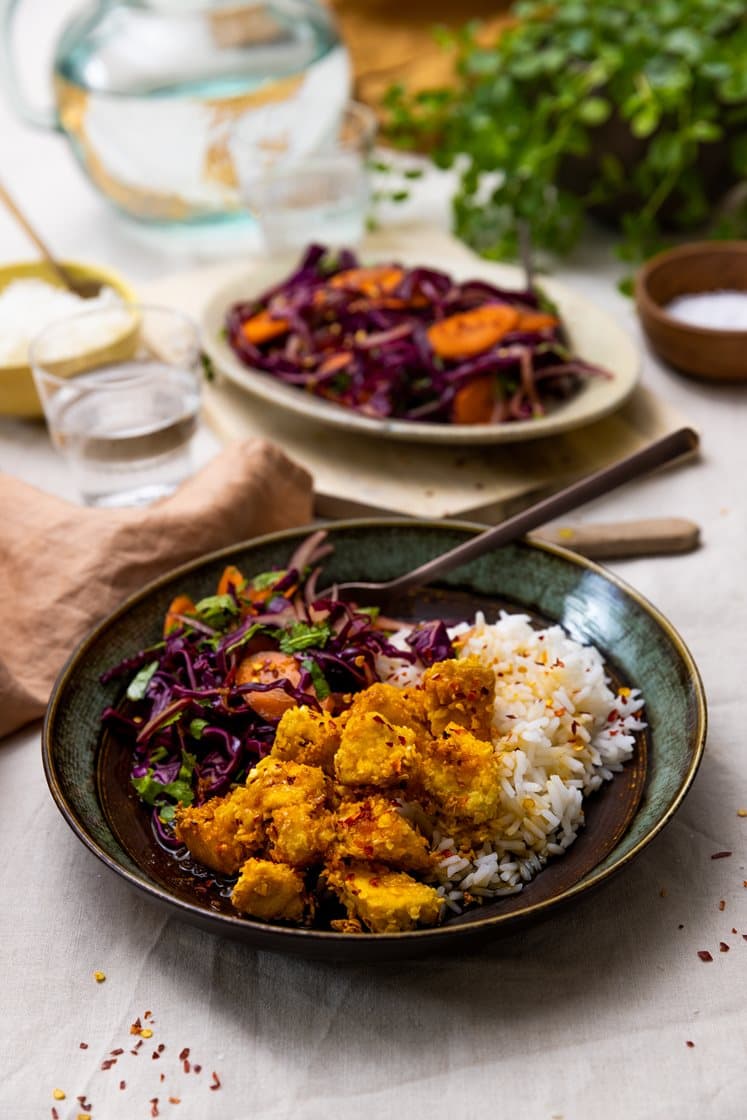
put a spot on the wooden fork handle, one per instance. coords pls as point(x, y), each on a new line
point(648, 537)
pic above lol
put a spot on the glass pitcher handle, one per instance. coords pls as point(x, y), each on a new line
point(42, 118)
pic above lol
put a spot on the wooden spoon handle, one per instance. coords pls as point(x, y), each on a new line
point(647, 537)
point(31, 233)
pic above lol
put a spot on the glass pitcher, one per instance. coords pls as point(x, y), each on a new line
point(147, 92)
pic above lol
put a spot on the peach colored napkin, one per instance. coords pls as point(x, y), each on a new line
point(62, 568)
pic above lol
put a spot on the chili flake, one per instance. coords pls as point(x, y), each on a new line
point(723, 947)
point(722, 904)
point(154, 1107)
point(704, 955)
point(175, 1100)
point(198, 1069)
point(83, 1045)
point(690, 1043)
point(55, 1114)
point(216, 1081)
point(184, 1054)
point(720, 855)
point(123, 1084)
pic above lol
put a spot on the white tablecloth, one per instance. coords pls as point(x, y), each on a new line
point(587, 1015)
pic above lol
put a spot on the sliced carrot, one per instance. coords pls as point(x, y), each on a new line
point(182, 604)
point(471, 332)
point(262, 328)
point(231, 577)
point(474, 402)
point(374, 282)
point(335, 361)
point(264, 668)
point(536, 321)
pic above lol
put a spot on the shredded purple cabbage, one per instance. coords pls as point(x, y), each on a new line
point(370, 352)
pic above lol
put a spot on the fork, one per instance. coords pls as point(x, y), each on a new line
point(681, 442)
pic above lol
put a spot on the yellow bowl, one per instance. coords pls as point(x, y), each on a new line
point(18, 396)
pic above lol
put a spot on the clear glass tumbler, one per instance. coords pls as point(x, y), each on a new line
point(120, 388)
point(319, 194)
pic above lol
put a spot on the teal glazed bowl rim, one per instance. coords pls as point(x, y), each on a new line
point(545, 575)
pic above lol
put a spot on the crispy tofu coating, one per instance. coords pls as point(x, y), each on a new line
point(225, 831)
point(383, 900)
point(300, 835)
point(374, 829)
point(374, 752)
point(222, 833)
point(271, 891)
point(460, 692)
point(402, 707)
point(275, 784)
point(304, 735)
point(460, 774)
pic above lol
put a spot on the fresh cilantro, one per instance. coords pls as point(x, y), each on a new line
point(321, 688)
point(138, 686)
point(153, 792)
point(196, 728)
point(302, 635)
point(372, 612)
point(267, 579)
point(167, 813)
point(243, 638)
point(217, 610)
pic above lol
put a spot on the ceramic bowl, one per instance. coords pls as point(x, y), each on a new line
point(18, 395)
point(704, 266)
point(88, 772)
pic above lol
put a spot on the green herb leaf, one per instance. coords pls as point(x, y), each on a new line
point(266, 580)
point(138, 686)
point(217, 610)
point(196, 728)
point(319, 681)
point(304, 636)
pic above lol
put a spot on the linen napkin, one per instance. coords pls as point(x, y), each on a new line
point(63, 568)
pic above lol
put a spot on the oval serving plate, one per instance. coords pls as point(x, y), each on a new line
point(594, 336)
point(87, 770)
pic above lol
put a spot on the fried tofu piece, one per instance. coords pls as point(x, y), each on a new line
point(272, 891)
point(383, 900)
point(374, 829)
point(276, 783)
point(299, 835)
point(401, 707)
point(306, 736)
point(223, 832)
point(374, 752)
point(461, 774)
point(460, 691)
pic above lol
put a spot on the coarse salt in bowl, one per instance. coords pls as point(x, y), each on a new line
point(692, 303)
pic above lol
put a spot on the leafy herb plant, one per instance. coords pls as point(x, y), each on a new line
point(636, 111)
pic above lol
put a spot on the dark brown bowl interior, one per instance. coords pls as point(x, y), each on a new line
point(705, 266)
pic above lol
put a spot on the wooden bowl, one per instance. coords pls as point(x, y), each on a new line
point(18, 395)
point(703, 266)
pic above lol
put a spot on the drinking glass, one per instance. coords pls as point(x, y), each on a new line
point(302, 194)
point(120, 388)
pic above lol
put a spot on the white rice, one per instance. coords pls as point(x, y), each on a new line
point(559, 731)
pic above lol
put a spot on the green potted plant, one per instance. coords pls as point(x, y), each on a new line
point(636, 112)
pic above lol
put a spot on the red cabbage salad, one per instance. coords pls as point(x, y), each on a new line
point(411, 343)
point(202, 705)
